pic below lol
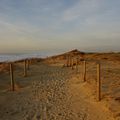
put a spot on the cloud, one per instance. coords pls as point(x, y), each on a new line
point(52, 24)
point(82, 9)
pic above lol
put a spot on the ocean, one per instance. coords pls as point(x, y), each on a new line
point(14, 57)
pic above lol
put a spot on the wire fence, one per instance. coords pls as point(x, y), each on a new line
point(103, 76)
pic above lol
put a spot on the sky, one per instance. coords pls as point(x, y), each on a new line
point(56, 25)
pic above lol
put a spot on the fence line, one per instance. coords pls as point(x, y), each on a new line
point(11, 71)
point(69, 63)
point(98, 94)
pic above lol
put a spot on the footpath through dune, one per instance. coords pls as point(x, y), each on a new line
point(50, 93)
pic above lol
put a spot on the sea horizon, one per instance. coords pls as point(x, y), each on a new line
point(7, 57)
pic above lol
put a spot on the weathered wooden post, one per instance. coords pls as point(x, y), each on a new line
point(12, 77)
point(67, 61)
point(30, 61)
point(28, 65)
point(84, 71)
point(72, 63)
point(76, 65)
point(25, 69)
point(98, 83)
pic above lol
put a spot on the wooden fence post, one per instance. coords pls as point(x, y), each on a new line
point(72, 63)
point(30, 61)
point(12, 77)
point(76, 65)
point(28, 65)
point(67, 62)
point(25, 68)
point(84, 71)
point(98, 83)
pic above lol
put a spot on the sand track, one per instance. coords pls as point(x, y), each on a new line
point(53, 94)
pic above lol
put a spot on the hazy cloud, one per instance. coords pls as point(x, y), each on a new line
point(45, 24)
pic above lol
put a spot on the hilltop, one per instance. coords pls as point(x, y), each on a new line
point(111, 56)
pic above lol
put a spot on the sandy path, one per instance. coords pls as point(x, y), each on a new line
point(84, 104)
point(53, 94)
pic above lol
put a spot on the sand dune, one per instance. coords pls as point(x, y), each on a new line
point(54, 92)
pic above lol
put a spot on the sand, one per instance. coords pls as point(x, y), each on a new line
point(50, 92)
